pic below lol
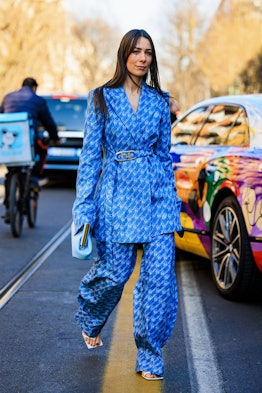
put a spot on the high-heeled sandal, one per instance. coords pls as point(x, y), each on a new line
point(89, 346)
point(154, 377)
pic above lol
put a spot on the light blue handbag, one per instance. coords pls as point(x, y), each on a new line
point(81, 242)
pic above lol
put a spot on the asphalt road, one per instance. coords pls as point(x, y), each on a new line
point(216, 345)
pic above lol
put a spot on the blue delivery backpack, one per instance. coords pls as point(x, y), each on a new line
point(16, 139)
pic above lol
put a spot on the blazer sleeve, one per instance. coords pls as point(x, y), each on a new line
point(90, 165)
point(163, 144)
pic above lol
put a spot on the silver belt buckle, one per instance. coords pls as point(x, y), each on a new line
point(125, 155)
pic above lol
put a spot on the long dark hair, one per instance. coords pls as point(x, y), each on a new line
point(126, 47)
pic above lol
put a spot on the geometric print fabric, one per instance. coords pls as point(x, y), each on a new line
point(155, 295)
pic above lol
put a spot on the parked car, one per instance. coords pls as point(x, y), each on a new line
point(68, 112)
point(217, 159)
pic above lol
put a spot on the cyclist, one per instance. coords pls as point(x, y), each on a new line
point(26, 100)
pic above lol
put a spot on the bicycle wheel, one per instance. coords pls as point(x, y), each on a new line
point(32, 207)
point(15, 205)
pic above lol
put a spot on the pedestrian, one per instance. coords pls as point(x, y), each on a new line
point(26, 100)
point(128, 197)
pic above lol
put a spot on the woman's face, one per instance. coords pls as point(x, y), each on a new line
point(140, 59)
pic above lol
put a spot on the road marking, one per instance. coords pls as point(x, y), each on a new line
point(120, 375)
point(203, 368)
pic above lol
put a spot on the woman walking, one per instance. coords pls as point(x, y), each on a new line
point(127, 195)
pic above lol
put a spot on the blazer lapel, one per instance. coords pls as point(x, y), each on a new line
point(145, 114)
point(138, 123)
point(119, 104)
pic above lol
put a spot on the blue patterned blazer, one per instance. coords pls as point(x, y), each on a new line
point(134, 198)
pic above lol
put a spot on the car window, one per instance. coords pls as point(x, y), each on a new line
point(225, 125)
point(239, 135)
point(69, 114)
point(185, 131)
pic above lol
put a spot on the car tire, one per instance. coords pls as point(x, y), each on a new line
point(232, 264)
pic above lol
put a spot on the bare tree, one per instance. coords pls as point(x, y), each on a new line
point(37, 38)
point(184, 28)
point(30, 38)
point(95, 48)
point(251, 76)
point(233, 39)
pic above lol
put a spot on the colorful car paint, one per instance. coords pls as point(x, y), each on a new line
point(217, 153)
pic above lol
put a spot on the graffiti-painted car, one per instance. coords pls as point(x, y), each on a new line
point(217, 159)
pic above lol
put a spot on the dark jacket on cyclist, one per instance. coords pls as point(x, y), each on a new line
point(26, 100)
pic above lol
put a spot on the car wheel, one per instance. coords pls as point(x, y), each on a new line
point(232, 263)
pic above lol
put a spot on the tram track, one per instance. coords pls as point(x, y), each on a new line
point(20, 278)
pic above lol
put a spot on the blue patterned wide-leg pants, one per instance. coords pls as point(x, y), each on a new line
point(155, 303)
point(155, 295)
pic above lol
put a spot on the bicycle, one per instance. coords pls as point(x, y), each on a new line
point(23, 199)
point(18, 154)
